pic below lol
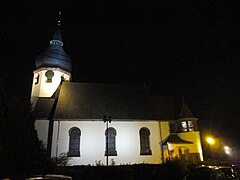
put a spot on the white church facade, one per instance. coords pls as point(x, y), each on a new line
point(97, 122)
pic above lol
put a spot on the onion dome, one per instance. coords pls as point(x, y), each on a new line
point(55, 56)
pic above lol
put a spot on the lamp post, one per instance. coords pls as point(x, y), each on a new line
point(107, 119)
point(211, 142)
point(228, 153)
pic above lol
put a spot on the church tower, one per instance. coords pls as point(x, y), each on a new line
point(52, 67)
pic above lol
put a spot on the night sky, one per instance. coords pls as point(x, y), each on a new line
point(177, 47)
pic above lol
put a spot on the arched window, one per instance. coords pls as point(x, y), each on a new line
point(110, 134)
point(74, 142)
point(145, 141)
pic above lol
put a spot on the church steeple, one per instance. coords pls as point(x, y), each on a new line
point(186, 120)
point(55, 56)
point(52, 67)
point(57, 36)
point(185, 111)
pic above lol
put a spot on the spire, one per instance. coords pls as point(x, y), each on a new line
point(59, 17)
point(185, 111)
point(57, 36)
point(55, 56)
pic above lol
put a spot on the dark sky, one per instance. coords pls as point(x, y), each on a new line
point(178, 47)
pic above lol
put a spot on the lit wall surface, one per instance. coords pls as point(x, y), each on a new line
point(196, 147)
point(92, 141)
point(42, 88)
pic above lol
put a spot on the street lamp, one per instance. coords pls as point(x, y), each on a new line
point(227, 150)
point(210, 141)
point(107, 119)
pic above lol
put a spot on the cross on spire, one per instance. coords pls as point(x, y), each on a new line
point(59, 17)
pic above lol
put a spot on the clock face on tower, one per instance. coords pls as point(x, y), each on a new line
point(49, 74)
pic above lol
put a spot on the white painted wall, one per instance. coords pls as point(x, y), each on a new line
point(44, 88)
point(92, 142)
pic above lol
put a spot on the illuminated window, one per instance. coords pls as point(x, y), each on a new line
point(145, 141)
point(190, 126)
point(187, 126)
point(184, 126)
point(110, 134)
point(74, 142)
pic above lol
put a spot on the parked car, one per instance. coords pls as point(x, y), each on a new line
point(205, 173)
point(228, 172)
point(236, 169)
point(51, 177)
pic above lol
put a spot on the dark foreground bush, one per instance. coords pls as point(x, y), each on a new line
point(169, 171)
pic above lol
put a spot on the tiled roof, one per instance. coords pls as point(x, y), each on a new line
point(185, 111)
point(92, 101)
point(175, 139)
point(43, 108)
point(79, 101)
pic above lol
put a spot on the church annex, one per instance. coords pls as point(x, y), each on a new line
point(97, 122)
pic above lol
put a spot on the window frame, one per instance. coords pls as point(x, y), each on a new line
point(145, 147)
point(74, 142)
point(187, 126)
point(110, 142)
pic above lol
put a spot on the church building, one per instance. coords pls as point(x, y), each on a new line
point(107, 123)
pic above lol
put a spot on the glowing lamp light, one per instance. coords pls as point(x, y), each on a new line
point(210, 140)
point(227, 149)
